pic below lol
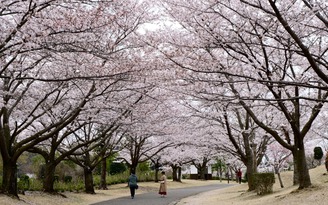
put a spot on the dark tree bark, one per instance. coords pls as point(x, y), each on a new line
point(9, 181)
point(276, 170)
point(103, 184)
point(49, 177)
point(156, 175)
point(175, 173)
point(88, 181)
point(251, 166)
point(156, 165)
point(201, 167)
point(302, 175)
point(179, 174)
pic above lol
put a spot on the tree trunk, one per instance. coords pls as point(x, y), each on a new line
point(9, 178)
point(276, 170)
point(250, 173)
point(202, 172)
point(303, 171)
point(103, 184)
point(179, 174)
point(280, 181)
point(251, 168)
point(88, 181)
point(220, 173)
point(156, 174)
point(174, 173)
point(296, 178)
point(49, 177)
point(133, 168)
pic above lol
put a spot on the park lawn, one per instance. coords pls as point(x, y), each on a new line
point(289, 195)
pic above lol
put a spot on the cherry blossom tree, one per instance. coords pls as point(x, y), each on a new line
point(249, 145)
point(176, 157)
point(48, 47)
point(90, 155)
point(271, 49)
point(48, 149)
point(138, 149)
point(230, 129)
point(200, 147)
point(36, 127)
point(156, 124)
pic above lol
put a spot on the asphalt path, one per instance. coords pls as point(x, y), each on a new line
point(173, 197)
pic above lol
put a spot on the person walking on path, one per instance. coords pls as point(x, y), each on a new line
point(163, 185)
point(132, 183)
point(239, 175)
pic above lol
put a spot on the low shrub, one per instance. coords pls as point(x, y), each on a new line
point(23, 182)
point(68, 179)
point(263, 182)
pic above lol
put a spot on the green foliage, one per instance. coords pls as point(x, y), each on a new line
point(38, 164)
point(77, 185)
point(143, 167)
point(318, 153)
point(219, 164)
point(69, 163)
point(60, 186)
point(35, 185)
point(66, 168)
point(109, 161)
point(263, 182)
point(56, 178)
point(123, 178)
point(24, 182)
point(117, 168)
point(41, 172)
point(113, 179)
point(68, 179)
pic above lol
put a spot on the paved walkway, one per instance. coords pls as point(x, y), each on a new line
point(174, 196)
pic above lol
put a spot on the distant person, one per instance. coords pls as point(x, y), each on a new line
point(239, 175)
point(132, 183)
point(227, 176)
point(163, 185)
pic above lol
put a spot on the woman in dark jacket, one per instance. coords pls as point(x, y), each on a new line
point(132, 183)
